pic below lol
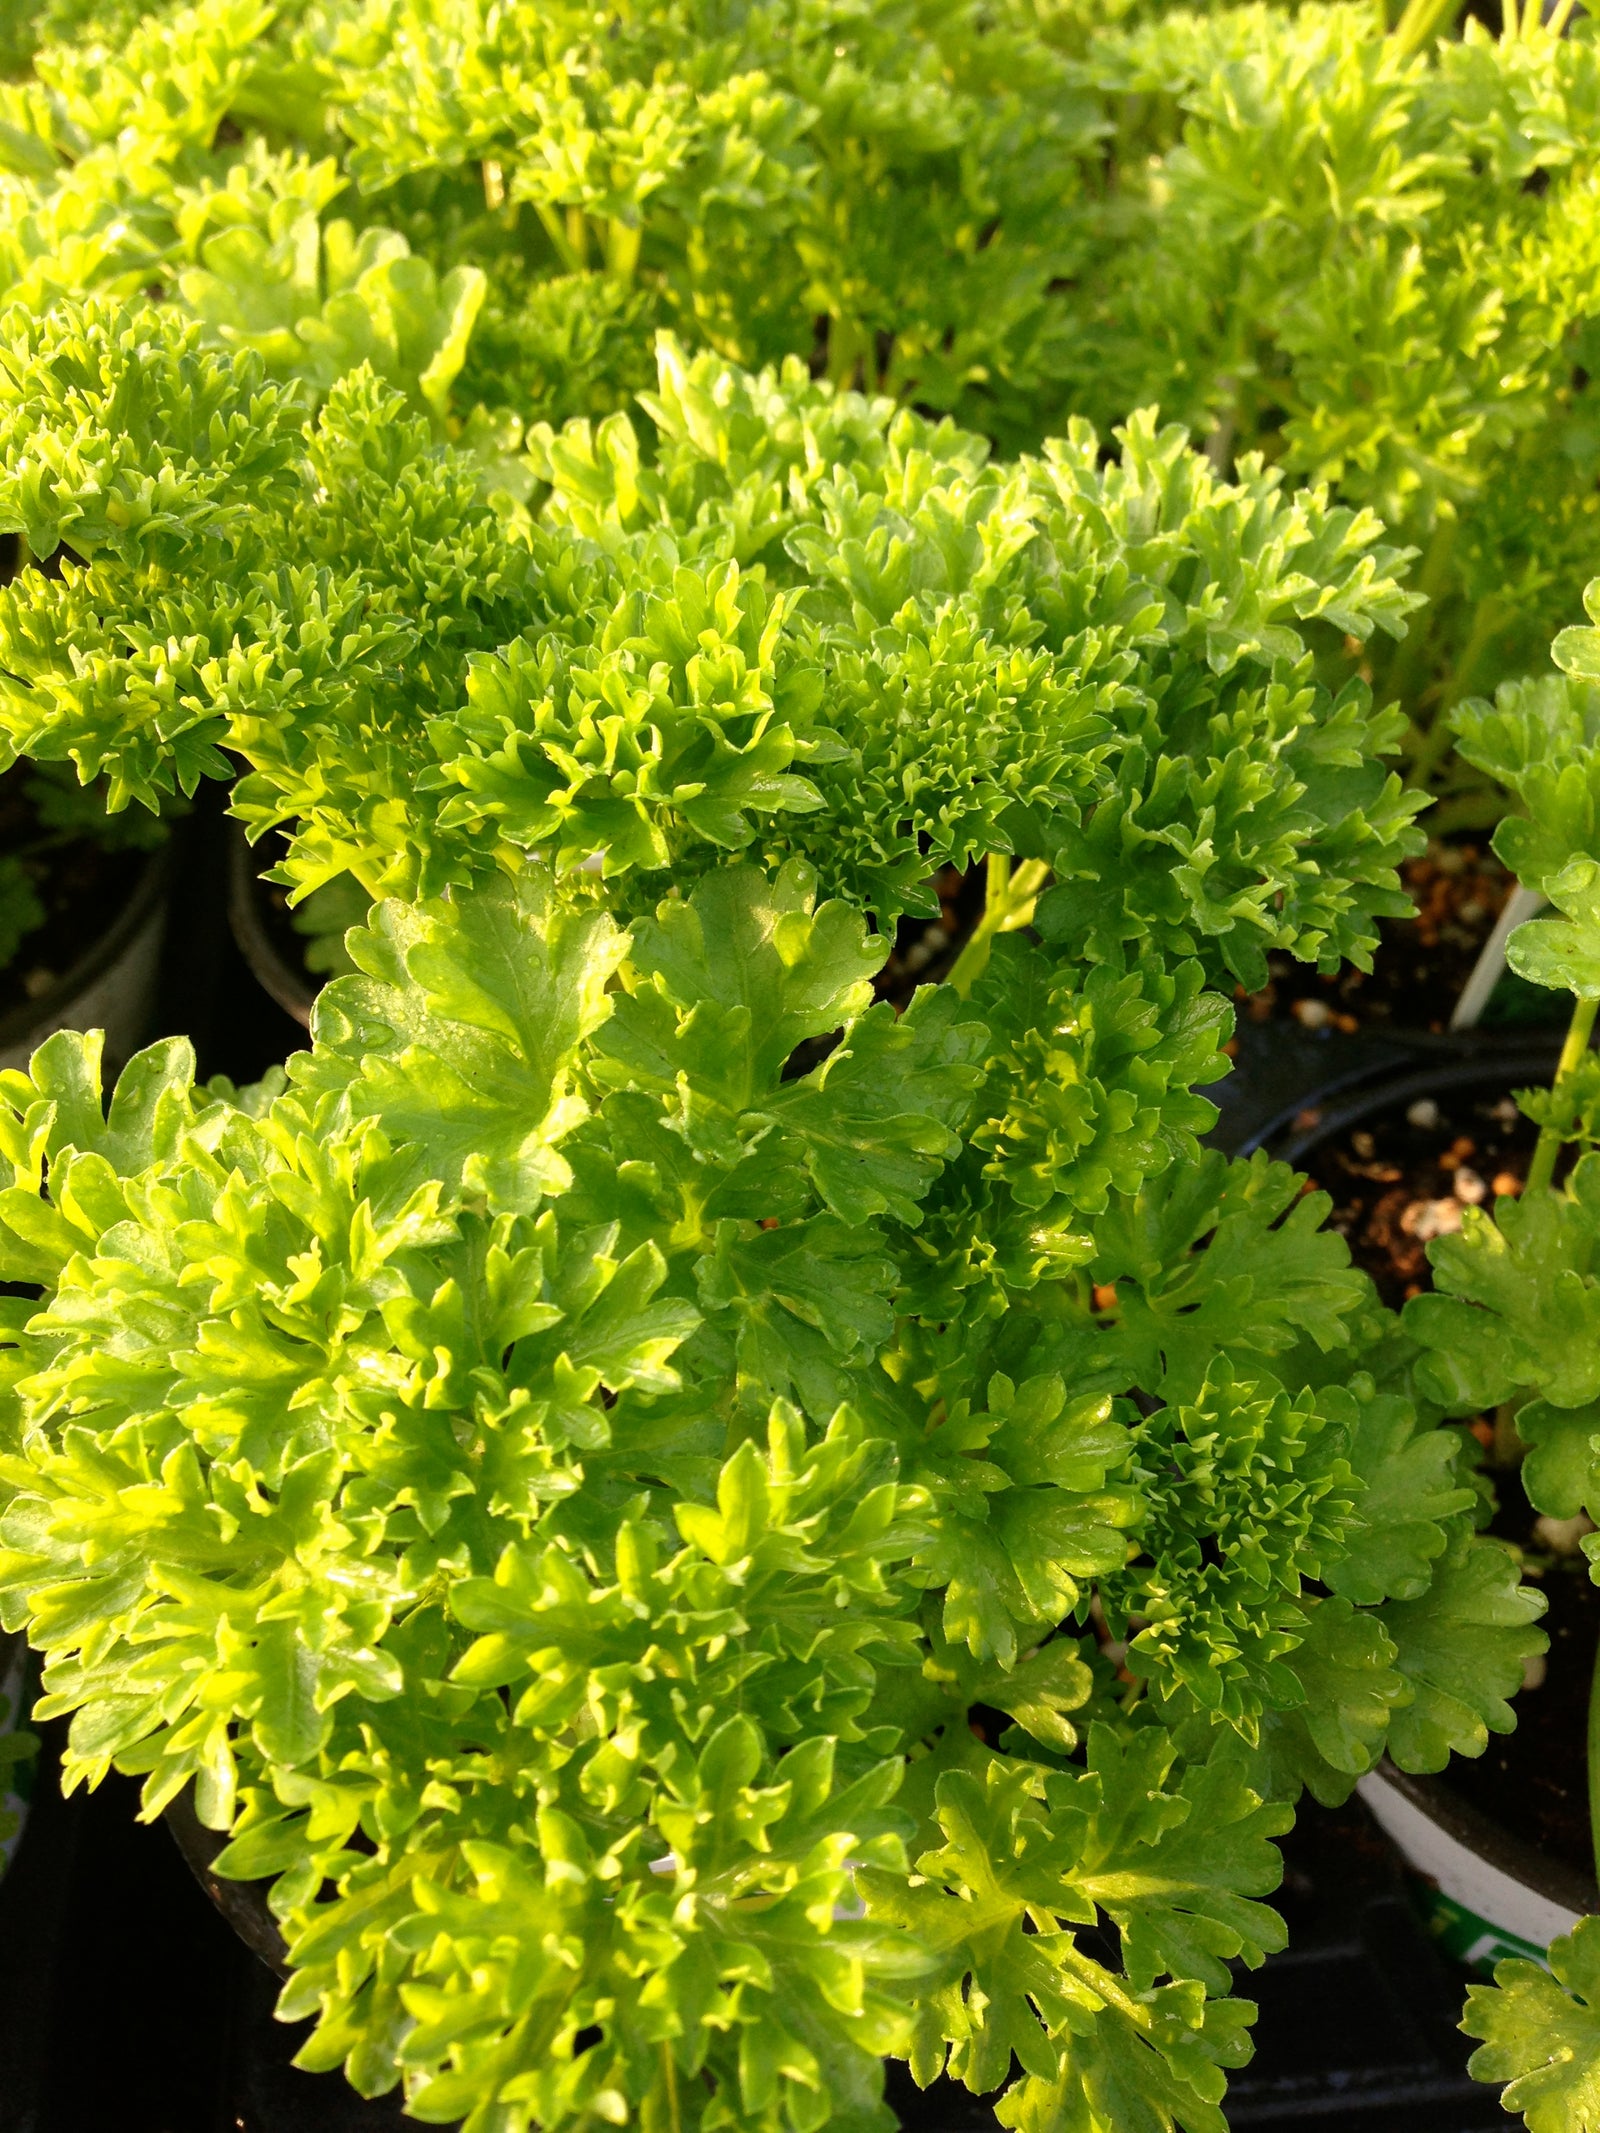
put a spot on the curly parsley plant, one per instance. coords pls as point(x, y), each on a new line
point(636, 1547)
point(703, 1534)
point(1370, 252)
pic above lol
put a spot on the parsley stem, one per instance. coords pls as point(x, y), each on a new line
point(1420, 21)
point(1008, 904)
point(675, 2115)
point(1542, 1169)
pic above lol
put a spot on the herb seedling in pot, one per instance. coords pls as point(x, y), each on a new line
point(1513, 1323)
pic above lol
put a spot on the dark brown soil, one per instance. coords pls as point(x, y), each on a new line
point(924, 949)
point(1405, 1176)
point(1421, 964)
point(84, 889)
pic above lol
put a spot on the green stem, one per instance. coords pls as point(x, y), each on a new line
point(622, 243)
point(1419, 21)
point(1008, 904)
point(847, 351)
point(558, 228)
point(1579, 1030)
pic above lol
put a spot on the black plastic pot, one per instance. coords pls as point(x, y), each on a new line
point(1347, 1090)
point(15, 1779)
point(242, 1903)
point(286, 982)
point(270, 2094)
point(112, 986)
point(1483, 1891)
point(207, 991)
point(1291, 1089)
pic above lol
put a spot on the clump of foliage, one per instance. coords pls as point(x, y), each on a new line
point(1372, 255)
point(494, 210)
point(1366, 252)
point(703, 1533)
point(807, 626)
point(560, 1490)
point(878, 189)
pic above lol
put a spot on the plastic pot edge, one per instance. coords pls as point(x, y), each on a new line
point(242, 1903)
point(1485, 1892)
point(1380, 1092)
point(277, 977)
point(111, 986)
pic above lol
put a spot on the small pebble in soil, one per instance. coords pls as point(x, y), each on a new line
point(1427, 1219)
point(921, 953)
point(1562, 1536)
point(1313, 1014)
point(1469, 1186)
point(37, 983)
point(1534, 1669)
point(1423, 1114)
point(1505, 1112)
point(1364, 1145)
point(1506, 1185)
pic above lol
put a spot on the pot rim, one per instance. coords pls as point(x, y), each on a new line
point(242, 1903)
point(1503, 1067)
point(1553, 1879)
point(17, 1026)
point(270, 969)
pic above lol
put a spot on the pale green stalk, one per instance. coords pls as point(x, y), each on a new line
point(1542, 1169)
point(1008, 905)
point(622, 243)
point(1422, 18)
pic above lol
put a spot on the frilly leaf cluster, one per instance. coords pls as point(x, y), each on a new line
point(807, 625)
point(881, 188)
point(1371, 252)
